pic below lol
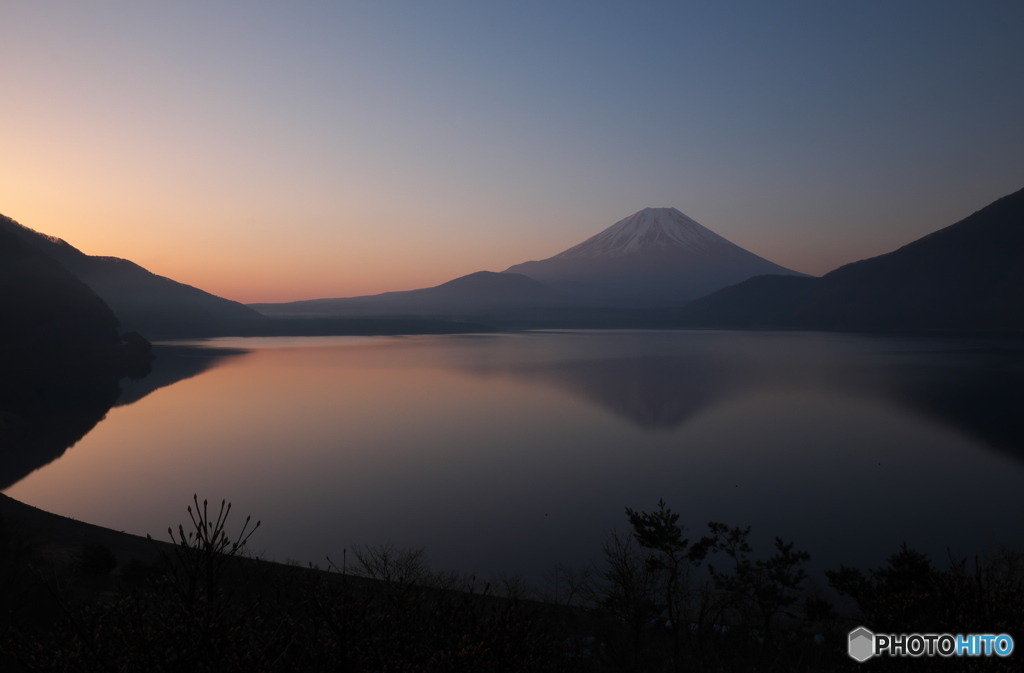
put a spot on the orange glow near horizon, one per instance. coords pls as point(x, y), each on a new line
point(302, 150)
point(214, 212)
point(262, 261)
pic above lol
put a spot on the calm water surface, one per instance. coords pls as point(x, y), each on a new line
point(512, 453)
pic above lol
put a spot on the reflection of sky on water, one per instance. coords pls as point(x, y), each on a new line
point(516, 452)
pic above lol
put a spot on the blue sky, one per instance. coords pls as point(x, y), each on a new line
point(271, 151)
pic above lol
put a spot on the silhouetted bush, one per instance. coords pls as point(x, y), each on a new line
point(206, 607)
point(909, 595)
point(96, 559)
point(14, 549)
point(210, 609)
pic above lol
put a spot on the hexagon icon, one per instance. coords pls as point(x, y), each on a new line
point(862, 644)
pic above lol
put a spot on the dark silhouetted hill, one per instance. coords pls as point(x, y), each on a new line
point(966, 277)
point(43, 305)
point(61, 358)
point(143, 301)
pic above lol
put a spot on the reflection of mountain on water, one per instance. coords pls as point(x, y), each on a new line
point(44, 413)
point(980, 394)
point(650, 392)
point(173, 364)
point(987, 404)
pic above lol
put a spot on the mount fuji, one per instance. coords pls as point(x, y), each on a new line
point(654, 257)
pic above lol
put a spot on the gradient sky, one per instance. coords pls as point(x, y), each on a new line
point(272, 151)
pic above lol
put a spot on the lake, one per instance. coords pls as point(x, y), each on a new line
point(511, 453)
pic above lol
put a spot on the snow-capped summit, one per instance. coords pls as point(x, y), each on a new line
point(654, 257)
point(650, 228)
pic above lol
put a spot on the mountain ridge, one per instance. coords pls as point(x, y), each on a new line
point(966, 276)
point(477, 293)
point(44, 305)
point(654, 257)
point(143, 301)
point(648, 228)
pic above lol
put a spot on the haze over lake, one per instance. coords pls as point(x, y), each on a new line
point(514, 452)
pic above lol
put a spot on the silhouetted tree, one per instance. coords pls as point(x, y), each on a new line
point(765, 587)
point(672, 554)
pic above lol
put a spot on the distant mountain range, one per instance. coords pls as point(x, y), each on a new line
point(656, 258)
point(161, 308)
point(142, 301)
point(483, 292)
point(655, 268)
point(966, 277)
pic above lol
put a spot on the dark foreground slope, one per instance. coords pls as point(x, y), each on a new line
point(966, 277)
point(143, 301)
point(75, 597)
